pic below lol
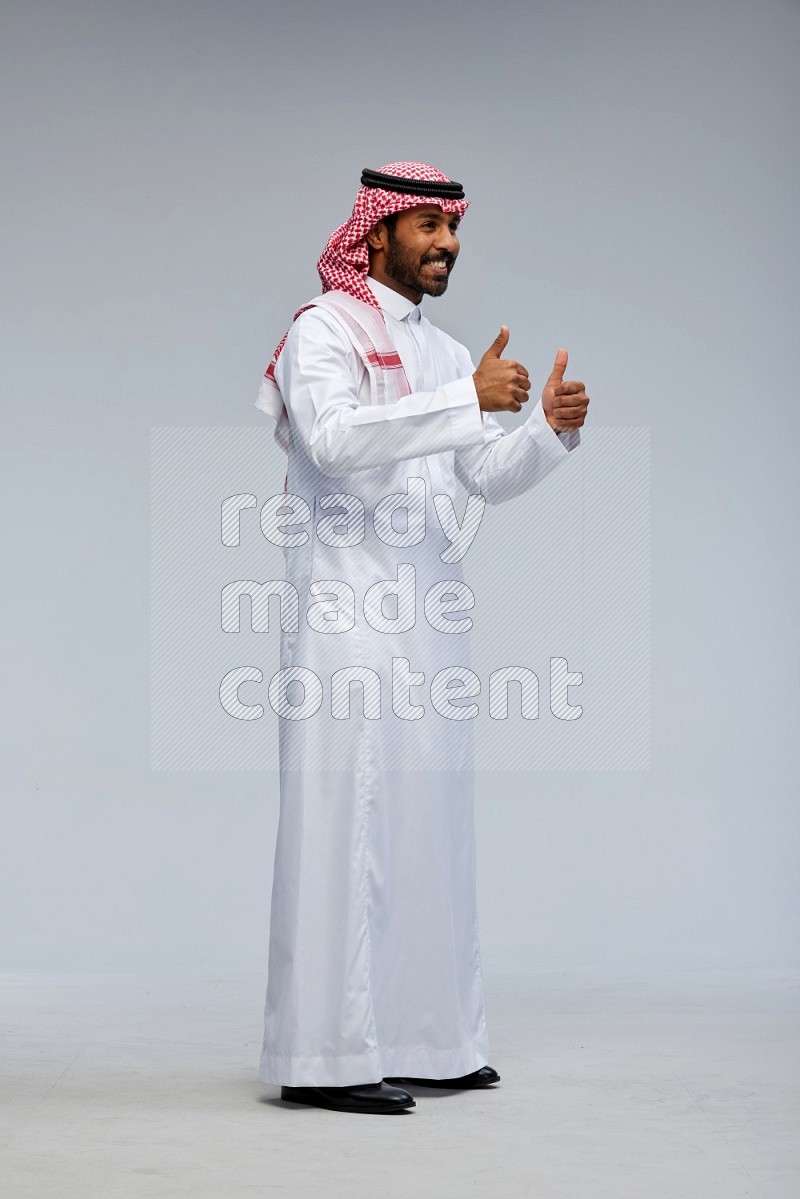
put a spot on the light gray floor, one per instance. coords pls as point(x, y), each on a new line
point(677, 1085)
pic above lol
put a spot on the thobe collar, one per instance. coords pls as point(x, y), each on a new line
point(392, 302)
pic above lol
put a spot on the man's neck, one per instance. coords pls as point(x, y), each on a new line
point(393, 302)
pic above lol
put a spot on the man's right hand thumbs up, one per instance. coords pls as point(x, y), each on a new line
point(502, 385)
point(499, 344)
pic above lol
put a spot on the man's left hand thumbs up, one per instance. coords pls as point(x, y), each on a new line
point(564, 400)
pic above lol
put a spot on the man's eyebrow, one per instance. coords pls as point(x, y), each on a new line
point(439, 215)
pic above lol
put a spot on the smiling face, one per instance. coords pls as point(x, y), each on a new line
point(415, 251)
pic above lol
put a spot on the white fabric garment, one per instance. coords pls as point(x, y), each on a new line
point(374, 962)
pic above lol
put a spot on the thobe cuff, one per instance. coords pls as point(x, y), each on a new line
point(556, 444)
point(466, 417)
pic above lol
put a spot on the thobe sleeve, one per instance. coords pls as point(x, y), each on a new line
point(508, 464)
point(315, 376)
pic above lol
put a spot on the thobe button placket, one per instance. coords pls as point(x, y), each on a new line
point(413, 335)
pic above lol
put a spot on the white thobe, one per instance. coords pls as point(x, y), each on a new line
point(374, 961)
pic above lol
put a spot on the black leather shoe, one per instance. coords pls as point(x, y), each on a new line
point(365, 1097)
point(479, 1078)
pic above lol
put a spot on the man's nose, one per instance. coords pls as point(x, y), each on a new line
point(448, 241)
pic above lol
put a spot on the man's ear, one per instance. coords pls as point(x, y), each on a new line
point(378, 237)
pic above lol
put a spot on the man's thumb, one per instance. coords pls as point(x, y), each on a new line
point(499, 343)
point(559, 366)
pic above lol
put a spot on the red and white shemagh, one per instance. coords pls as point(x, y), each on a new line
point(344, 263)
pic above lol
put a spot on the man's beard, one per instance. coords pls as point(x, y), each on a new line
point(405, 268)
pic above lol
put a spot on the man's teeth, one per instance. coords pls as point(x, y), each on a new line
point(439, 265)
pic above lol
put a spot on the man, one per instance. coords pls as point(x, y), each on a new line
point(374, 975)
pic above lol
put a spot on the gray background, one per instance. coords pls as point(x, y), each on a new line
point(172, 178)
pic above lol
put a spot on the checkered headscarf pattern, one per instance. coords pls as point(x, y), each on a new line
point(344, 263)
